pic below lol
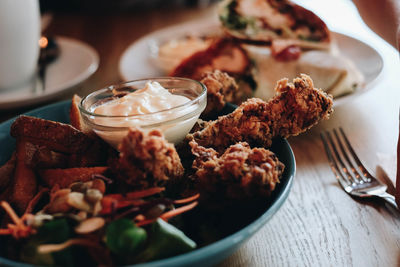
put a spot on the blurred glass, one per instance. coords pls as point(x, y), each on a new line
point(19, 36)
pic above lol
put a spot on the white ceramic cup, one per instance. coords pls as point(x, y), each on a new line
point(19, 37)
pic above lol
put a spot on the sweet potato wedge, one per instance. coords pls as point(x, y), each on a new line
point(24, 183)
point(65, 177)
point(38, 156)
point(75, 117)
point(56, 136)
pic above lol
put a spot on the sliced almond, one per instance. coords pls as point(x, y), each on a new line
point(97, 208)
point(59, 202)
point(77, 200)
point(90, 225)
point(93, 196)
point(97, 184)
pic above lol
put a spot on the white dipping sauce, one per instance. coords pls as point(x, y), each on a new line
point(147, 106)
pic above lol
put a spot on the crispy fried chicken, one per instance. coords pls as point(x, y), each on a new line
point(295, 108)
point(226, 55)
point(239, 173)
point(221, 88)
point(147, 160)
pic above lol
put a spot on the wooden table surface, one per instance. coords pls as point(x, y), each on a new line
point(319, 224)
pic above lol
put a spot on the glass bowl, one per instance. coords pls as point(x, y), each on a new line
point(175, 123)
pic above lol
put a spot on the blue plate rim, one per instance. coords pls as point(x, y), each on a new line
point(215, 248)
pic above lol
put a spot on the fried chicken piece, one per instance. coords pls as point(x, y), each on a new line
point(199, 125)
point(295, 108)
point(240, 172)
point(221, 88)
point(147, 160)
point(224, 54)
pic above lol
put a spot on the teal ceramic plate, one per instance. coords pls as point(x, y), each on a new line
point(207, 255)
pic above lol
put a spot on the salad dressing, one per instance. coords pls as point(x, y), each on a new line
point(152, 106)
point(150, 99)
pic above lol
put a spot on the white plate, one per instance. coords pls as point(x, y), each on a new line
point(77, 62)
point(138, 61)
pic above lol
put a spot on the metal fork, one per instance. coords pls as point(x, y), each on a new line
point(349, 171)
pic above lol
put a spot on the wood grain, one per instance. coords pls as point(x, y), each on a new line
point(319, 224)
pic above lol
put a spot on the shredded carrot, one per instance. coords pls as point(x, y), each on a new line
point(5, 231)
point(139, 217)
point(18, 229)
point(145, 193)
point(144, 222)
point(14, 217)
point(35, 200)
point(186, 200)
point(116, 201)
point(172, 213)
point(169, 214)
point(137, 194)
point(48, 248)
point(126, 203)
point(110, 204)
point(114, 196)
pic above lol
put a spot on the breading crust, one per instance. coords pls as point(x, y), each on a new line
point(147, 159)
point(296, 107)
point(221, 88)
point(240, 172)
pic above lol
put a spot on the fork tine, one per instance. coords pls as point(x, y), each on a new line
point(343, 180)
point(366, 175)
point(345, 151)
point(351, 184)
point(343, 167)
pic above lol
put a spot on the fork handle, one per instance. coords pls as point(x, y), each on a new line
point(389, 198)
